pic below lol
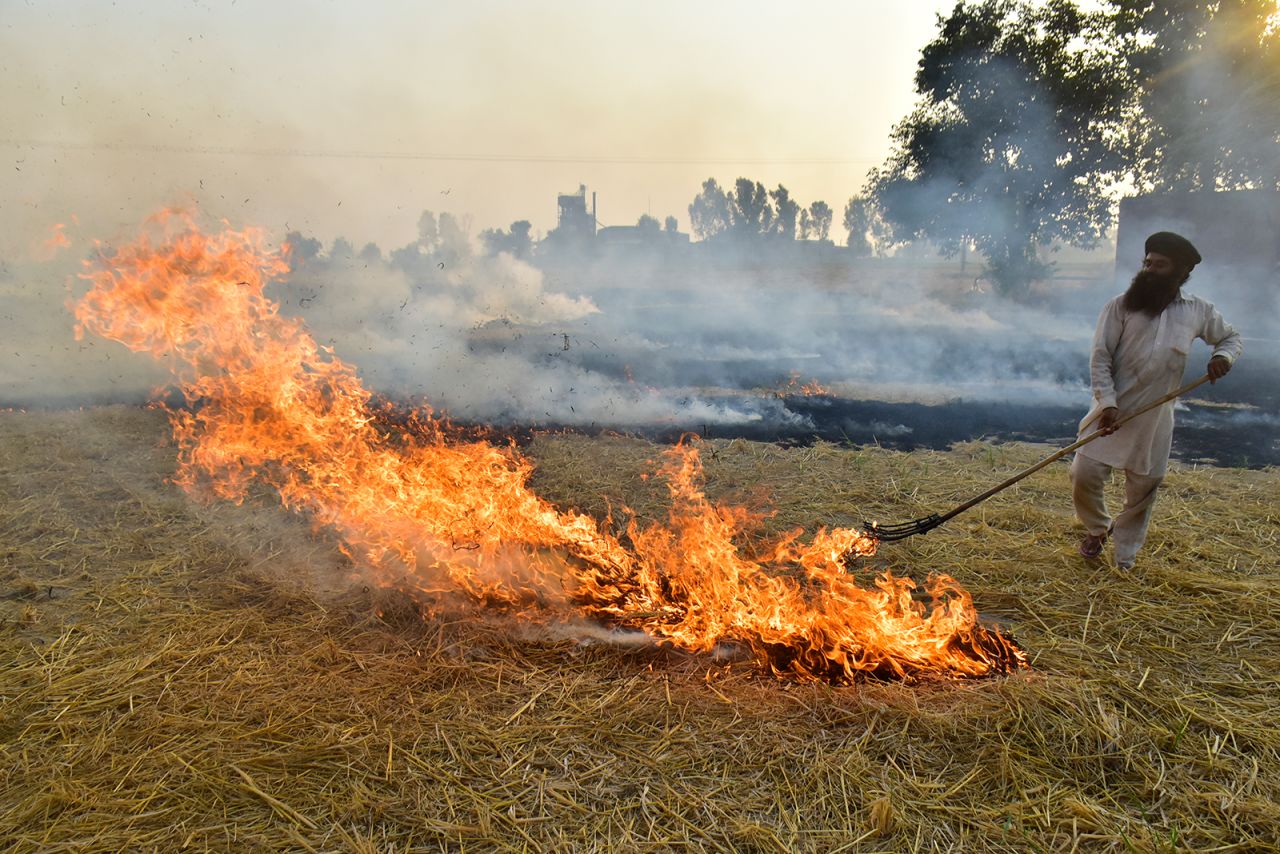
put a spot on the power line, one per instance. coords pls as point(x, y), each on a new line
point(229, 151)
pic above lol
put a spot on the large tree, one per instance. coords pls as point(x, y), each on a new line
point(1207, 111)
point(1017, 136)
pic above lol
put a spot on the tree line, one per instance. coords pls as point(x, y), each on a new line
point(748, 211)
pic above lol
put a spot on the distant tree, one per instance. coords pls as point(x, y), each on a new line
point(820, 215)
point(786, 213)
point(370, 253)
point(410, 258)
point(709, 211)
point(857, 222)
point(302, 249)
point(341, 248)
point(428, 232)
point(882, 234)
point(671, 225)
point(516, 242)
point(806, 224)
point(648, 225)
point(454, 245)
point(1207, 110)
point(750, 214)
point(521, 238)
point(1016, 139)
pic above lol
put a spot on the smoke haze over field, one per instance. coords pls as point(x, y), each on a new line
point(619, 343)
point(728, 341)
point(347, 126)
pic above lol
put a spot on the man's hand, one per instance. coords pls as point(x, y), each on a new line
point(1218, 368)
point(1107, 420)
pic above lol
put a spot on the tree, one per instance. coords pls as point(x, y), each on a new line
point(820, 215)
point(1017, 137)
point(806, 225)
point(786, 213)
point(454, 244)
point(670, 225)
point(647, 225)
point(341, 248)
point(301, 249)
point(857, 222)
point(516, 242)
point(428, 232)
point(709, 211)
point(750, 214)
point(1207, 112)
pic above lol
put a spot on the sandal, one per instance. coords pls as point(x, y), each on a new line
point(1091, 545)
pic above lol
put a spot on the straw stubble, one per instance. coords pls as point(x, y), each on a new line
point(211, 677)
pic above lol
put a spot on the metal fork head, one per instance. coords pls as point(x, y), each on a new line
point(901, 530)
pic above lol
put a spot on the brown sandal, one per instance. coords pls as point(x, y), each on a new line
point(1091, 545)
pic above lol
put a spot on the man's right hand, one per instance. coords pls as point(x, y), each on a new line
point(1107, 420)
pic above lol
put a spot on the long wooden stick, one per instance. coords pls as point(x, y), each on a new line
point(1079, 443)
point(902, 530)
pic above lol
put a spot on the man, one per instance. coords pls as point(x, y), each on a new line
point(1139, 353)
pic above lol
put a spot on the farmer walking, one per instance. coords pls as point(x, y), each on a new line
point(1139, 352)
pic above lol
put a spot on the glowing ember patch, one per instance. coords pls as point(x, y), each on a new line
point(422, 507)
point(810, 389)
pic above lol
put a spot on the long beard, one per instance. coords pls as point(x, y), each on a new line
point(1151, 293)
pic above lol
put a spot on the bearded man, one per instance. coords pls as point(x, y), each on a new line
point(1140, 350)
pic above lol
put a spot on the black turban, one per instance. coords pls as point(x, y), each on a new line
point(1175, 247)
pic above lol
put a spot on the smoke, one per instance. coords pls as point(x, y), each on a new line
point(42, 363)
point(623, 341)
point(486, 339)
point(687, 337)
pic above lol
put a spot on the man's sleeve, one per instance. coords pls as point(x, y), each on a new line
point(1106, 337)
point(1219, 334)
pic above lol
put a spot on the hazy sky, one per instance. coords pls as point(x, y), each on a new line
point(351, 118)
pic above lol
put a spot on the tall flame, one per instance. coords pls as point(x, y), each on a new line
point(423, 507)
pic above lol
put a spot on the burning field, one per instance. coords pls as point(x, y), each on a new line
point(281, 615)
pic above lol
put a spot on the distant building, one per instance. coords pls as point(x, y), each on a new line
point(574, 222)
point(578, 230)
point(635, 235)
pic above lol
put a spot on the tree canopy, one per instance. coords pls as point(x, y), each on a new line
point(1014, 142)
point(1207, 111)
point(1032, 114)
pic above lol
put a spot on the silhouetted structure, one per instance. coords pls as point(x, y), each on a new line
point(574, 221)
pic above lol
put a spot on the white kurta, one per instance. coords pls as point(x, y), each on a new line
point(1137, 359)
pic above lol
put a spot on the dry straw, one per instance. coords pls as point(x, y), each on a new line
point(179, 677)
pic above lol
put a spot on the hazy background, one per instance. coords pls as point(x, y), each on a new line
point(351, 118)
point(343, 124)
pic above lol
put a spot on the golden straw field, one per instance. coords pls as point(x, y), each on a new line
point(188, 676)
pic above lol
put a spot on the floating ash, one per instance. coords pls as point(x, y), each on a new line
point(431, 510)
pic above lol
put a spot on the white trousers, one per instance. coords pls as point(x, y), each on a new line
point(1129, 529)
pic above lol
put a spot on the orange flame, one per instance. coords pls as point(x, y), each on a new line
point(57, 240)
point(424, 508)
point(809, 389)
